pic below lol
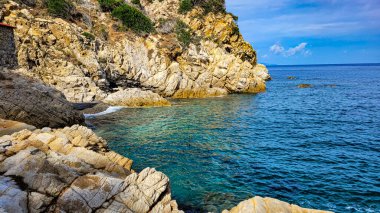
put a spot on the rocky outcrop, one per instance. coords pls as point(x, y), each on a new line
point(30, 101)
point(263, 205)
point(72, 170)
point(135, 97)
point(86, 68)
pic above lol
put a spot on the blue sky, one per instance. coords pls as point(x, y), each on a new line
point(311, 32)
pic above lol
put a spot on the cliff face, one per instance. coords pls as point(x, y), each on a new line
point(85, 68)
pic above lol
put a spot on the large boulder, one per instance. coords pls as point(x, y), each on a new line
point(30, 101)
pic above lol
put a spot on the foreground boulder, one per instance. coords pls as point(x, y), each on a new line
point(30, 101)
point(72, 170)
point(135, 97)
point(264, 205)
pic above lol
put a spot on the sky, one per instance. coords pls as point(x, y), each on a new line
point(310, 31)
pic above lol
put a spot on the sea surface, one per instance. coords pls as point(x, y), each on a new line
point(316, 147)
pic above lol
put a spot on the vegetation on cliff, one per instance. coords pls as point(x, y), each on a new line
point(60, 8)
point(131, 17)
point(208, 6)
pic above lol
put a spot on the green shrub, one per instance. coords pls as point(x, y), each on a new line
point(185, 6)
point(88, 36)
point(183, 33)
point(236, 18)
point(60, 8)
point(109, 5)
point(136, 2)
point(133, 18)
point(215, 6)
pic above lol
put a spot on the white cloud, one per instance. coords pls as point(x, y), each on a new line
point(300, 48)
point(277, 49)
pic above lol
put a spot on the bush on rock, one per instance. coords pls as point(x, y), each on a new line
point(133, 18)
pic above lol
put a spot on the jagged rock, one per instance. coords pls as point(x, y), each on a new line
point(72, 170)
point(27, 100)
point(135, 97)
point(263, 205)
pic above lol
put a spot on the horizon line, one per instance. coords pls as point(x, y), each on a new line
point(333, 64)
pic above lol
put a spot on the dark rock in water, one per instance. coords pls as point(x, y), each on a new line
point(91, 108)
point(292, 77)
point(28, 100)
point(304, 85)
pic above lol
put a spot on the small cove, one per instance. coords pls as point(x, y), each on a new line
point(317, 147)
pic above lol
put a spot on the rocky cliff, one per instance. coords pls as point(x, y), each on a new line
point(89, 55)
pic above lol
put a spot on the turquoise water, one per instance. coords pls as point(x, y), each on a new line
point(317, 147)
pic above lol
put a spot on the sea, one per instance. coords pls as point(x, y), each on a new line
point(317, 147)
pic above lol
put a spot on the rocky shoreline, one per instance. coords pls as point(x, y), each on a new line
point(84, 63)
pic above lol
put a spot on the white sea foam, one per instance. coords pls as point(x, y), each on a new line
point(109, 110)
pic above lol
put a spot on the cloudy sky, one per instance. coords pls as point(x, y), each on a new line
point(311, 31)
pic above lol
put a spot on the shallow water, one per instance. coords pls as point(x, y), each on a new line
point(316, 147)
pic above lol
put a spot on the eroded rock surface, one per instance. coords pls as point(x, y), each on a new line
point(72, 170)
point(264, 205)
point(30, 101)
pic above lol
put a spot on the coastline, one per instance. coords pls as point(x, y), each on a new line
point(92, 59)
point(60, 152)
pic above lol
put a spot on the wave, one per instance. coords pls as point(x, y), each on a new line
point(109, 110)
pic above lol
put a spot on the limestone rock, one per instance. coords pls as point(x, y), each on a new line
point(27, 100)
point(72, 170)
point(264, 205)
point(135, 97)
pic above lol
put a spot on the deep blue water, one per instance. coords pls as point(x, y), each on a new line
point(317, 147)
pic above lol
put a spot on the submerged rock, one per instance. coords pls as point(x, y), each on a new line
point(30, 101)
point(304, 85)
point(134, 97)
point(263, 205)
point(72, 170)
point(292, 77)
